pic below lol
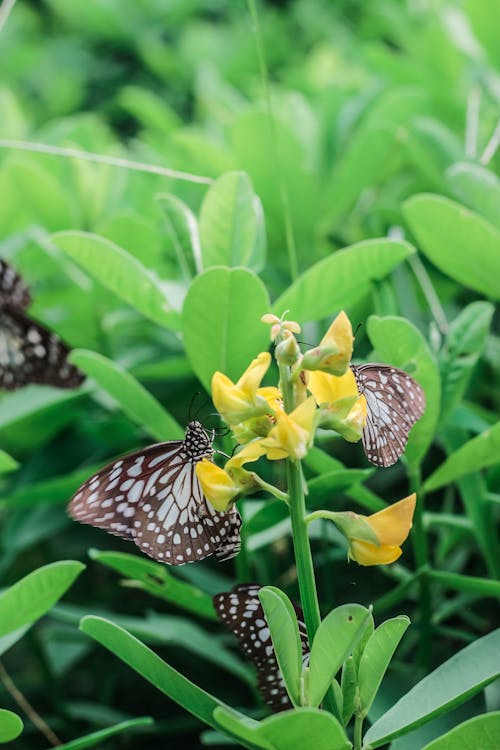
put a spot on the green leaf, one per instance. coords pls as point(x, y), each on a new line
point(464, 343)
point(242, 727)
point(136, 402)
point(231, 223)
point(11, 726)
point(400, 343)
point(96, 738)
point(478, 453)
point(7, 463)
point(182, 229)
point(304, 728)
point(478, 733)
point(341, 279)
point(221, 322)
point(121, 273)
point(282, 622)
point(448, 233)
point(157, 579)
point(468, 584)
point(348, 685)
point(146, 663)
point(478, 188)
point(335, 639)
point(54, 490)
point(465, 674)
point(6, 641)
point(35, 594)
point(376, 657)
point(360, 166)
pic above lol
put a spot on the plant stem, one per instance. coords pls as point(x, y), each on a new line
point(358, 732)
point(301, 546)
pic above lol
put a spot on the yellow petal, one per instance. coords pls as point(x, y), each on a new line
point(252, 377)
point(217, 485)
point(392, 524)
point(251, 452)
point(366, 553)
point(339, 336)
point(328, 388)
point(293, 433)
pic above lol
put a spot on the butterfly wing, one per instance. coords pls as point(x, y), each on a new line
point(153, 498)
point(241, 611)
point(29, 353)
point(395, 401)
point(13, 290)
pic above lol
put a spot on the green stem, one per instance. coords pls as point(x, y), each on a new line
point(358, 732)
point(422, 563)
point(301, 546)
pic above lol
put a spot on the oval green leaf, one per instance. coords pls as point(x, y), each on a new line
point(282, 622)
point(334, 641)
point(11, 726)
point(341, 279)
point(182, 229)
point(400, 343)
point(451, 237)
point(304, 728)
point(35, 594)
point(231, 222)
point(120, 272)
point(136, 402)
point(480, 733)
point(478, 188)
point(478, 453)
point(221, 322)
point(459, 678)
point(376, 657)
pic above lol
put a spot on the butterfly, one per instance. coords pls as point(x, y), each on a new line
point(153, 497)
point(29, 352)
point(241, 611)
point(395, 401)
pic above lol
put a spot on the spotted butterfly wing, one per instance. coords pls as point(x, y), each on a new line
point(395, 401)
point(29, 352)
point(153, 497)
point(241, 611)
point(13, 290)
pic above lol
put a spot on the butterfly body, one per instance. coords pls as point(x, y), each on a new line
point(395, 401)
point(29, 352)
point(153, 497)
point(242, 613)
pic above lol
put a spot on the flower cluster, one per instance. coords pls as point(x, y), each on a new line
point(317, 388)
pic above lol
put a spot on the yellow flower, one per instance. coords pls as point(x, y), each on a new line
point(343, 409)
point(222, 486)
point(241, 401)
point(293, 433)
point(218, 487)
point(259, 426)
point(391, 526)
point(335, 349)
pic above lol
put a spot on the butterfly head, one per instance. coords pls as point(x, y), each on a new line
point(198, 441)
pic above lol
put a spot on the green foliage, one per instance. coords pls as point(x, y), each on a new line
point(216, 207)
point(11, 726)
point(218, 322)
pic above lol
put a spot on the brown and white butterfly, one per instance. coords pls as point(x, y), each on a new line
point(29, 352)
point(241, 612)
point(394, 401)
point(153, 497)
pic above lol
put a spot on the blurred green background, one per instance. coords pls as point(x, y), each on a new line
point(373, 103)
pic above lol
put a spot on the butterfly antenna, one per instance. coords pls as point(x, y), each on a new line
point(357, 328)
